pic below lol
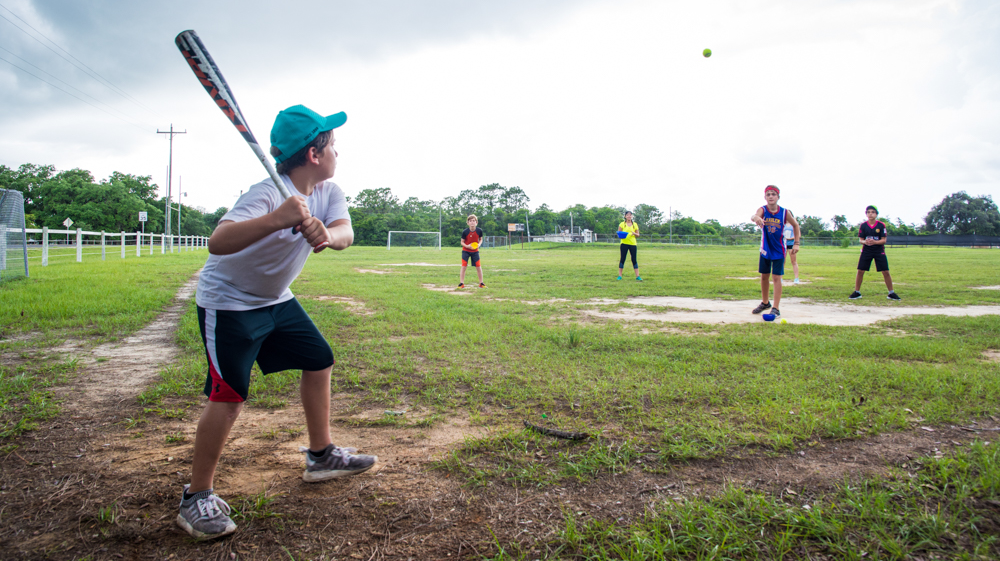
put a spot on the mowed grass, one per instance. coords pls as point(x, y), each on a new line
point(496, 359)
point(94, 300)
point(523, 350)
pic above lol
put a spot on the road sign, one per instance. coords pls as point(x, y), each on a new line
point(143, 216)
point(68, 222)
point(515, 227)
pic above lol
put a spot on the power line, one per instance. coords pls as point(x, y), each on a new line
point(81, 92)
point(85, 69)
point(71, 95)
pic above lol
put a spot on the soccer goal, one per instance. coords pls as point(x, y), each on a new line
point(13, 242)
point(414, 239)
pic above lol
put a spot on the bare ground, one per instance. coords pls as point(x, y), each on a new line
point(55, 485)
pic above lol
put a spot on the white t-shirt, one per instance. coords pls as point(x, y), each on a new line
point(789, 232)
point(260, 275)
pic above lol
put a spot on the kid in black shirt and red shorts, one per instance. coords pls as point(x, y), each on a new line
point(873, 237)
point(471, 238)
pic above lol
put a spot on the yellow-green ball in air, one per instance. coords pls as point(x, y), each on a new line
point(707, 53)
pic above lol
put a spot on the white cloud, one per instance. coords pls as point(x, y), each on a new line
point(840, 103)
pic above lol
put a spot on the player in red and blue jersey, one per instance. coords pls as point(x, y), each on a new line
point(873, 237)
point(772, 219)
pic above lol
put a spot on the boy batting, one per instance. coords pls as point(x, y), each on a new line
point(247, 313)
point(772, 219)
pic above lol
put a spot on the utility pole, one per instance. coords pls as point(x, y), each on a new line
point(180, 204)
point(671, 211)
point(170, 174)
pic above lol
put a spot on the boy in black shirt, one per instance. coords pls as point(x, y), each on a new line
point(471, 238)
point(873, 236)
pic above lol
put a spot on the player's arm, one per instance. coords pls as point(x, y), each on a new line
point(795, 229)
point(232, 237)
point(758, 217)
point(861, 236)
point(338, 234)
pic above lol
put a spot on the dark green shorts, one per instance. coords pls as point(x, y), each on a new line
point(279, 337)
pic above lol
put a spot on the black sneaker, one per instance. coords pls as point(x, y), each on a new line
point(855, 295)
point(776, 312)
point(893, 296)
point(461, 285)
point(761, 307)
point(335, 462)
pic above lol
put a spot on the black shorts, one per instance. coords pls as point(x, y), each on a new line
point(865, 263)
point(470, 257)
point(278, 337)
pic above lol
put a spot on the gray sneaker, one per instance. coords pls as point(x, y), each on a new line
point(205, 516)
point(335, 462)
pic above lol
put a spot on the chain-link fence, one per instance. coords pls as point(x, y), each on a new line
point(13, 243)
point(733, 239)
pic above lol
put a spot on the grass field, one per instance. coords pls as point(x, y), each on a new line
point(653, 398)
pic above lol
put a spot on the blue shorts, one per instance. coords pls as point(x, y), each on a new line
point(771, 266)
point(278, 337)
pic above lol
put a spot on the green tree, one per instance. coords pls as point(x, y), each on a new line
point(811, 226)
point(376, 201)
point(840, 223)
point(648, 216)
point(962, 214)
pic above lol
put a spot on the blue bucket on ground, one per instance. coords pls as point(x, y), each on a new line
point(623, 235)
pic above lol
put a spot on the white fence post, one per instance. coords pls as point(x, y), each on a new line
point(104, 248)
point(45, 246)
point(123, 244)
point(79, 245)
point(152, 236)
point(163, 244)
point(138, 244)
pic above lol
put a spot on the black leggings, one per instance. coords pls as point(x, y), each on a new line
point(627, 249)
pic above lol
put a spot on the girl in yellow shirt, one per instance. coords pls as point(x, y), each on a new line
point(628, 245)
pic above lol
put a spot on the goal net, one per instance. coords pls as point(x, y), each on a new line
point(13, 242)
point(399, 238)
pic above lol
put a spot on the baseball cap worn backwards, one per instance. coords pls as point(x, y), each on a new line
point(297, 126)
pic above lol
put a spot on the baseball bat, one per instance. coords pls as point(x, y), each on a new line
point(215, 84)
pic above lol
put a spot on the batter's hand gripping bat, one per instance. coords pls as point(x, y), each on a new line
point(208, 74)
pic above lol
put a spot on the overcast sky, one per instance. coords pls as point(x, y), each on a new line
point(840, 103)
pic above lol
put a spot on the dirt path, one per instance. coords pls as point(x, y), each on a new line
point(115, 372)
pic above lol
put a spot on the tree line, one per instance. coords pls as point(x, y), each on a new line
point(113, 204)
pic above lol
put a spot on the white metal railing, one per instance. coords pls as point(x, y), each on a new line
point(78, 239)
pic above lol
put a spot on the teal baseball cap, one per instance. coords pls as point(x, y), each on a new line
point(297, 126)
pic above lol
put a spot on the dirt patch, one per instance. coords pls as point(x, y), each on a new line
point(372, 271)
point(450, 289)
point(997, 287)
point(357, 307)
point(794, 310)
point(990, 354)
point(419, 265)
